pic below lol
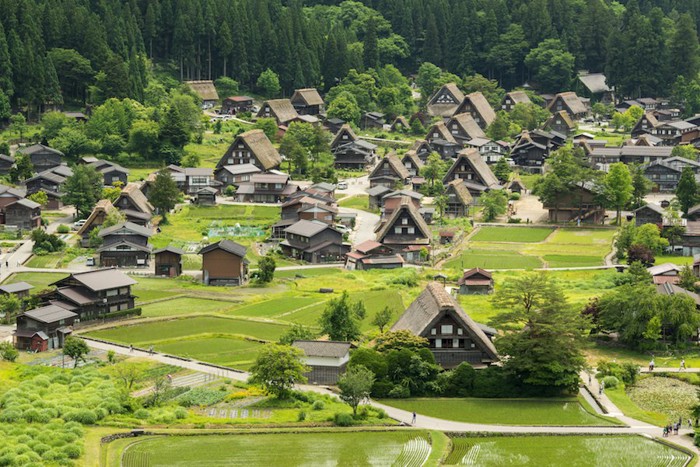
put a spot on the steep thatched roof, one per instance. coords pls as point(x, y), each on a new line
point(467, 124)
point(480, 105)
point(259, 145)
point(473, 158)
point(408, 207)
point(460, 190)
point(344, 130)
point(308, 96)
point(441, 130)
point(571, 100)
point(430, 305)
point(103, 206)
point(204, 89)
point(282, 109)
point(399, 169)
point(518, 97)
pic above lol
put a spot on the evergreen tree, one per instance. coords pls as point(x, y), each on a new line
point(164, 193)
point(83, 189)
point(370, 51)
point(684, 48)
point(687, 190)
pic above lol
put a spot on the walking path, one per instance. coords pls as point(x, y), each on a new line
point(634, 427)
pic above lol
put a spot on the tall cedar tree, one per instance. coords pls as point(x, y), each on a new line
point(83, 189)
point(687, 190)
point(164, 193)
point(544, 338)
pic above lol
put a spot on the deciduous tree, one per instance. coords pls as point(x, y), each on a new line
point(83, 189)
point(164, 193)
point(76, 349)
point(355, 386)
point(278, 368)
point(341, 318)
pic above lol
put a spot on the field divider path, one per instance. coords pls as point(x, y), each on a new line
point(634, 427)
point(299, 309)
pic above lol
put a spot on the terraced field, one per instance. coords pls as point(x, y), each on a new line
point(348, 448)
point(573, 451)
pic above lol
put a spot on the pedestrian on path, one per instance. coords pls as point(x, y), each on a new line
point(413, 421)
point(131, 348)
point(666, 432)
point(690, 424)
point(651, 365)
point(601, 388)
point(682, 367)
point(150, 350)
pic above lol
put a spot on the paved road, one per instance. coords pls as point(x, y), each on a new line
point(422, 421)
point(365, 223)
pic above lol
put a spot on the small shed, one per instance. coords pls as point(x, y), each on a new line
point(446, 236)
point(168, 261)
point(205, 196)
point(476, 281)
point(19, 289)
point(327, 359)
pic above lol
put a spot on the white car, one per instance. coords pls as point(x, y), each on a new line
point(341, 228)
point(343, 185)
point(80, 223)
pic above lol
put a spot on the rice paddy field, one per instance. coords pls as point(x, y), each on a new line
point(574, 451)
point(534, 247)
point(301, 449)
point(527, 412)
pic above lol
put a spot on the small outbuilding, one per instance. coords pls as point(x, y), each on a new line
point(224, 263)
point(476, 281)
point(327, 359)
point(168, 261)
point(43, 328)
point(19, 289)
point(205, 196)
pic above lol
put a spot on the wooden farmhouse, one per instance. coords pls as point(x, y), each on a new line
point(314, 242)
point(422, 149)
point(236, 104)
point(251, 147)
point(471, 169)
point(445, 101)
point(6, 164)
point(307, 102)
point(452, 335)
point(442, 142)
point(206, 91)
point(235, 174)
point(372, 120)
point(50, 183)
point(580, 203)
point(476, 281)
point(649, 214)
point(511, 99)
point(479, 108)
point(205, 196)
point(43, 328)
point(190, 180)
point(224, 263)
point(389, 172)
point(124, 245)
point(112, 174)
point(265, 188)
point(168, 261)
point(372, 255)
point(92, 294)
point(458, 199)
point(281, 110)
point(412, 162)
point(570, 103)
point(350, 152)
point(405, 232)
point(561, 123)
point(326, 359)
point(24, 214)
point(42, 157)
point(400, 125)
point(95, 220)
point(464, 128)
point(134, 205)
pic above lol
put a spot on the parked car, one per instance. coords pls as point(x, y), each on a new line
point(341, 228)
point(80, 223)
point(90, 262)
point(343, 185)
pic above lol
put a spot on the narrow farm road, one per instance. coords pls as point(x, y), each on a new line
point(634, 427)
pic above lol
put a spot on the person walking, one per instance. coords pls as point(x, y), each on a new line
point(131, 348)
point(150, 350)
point(413, 421)
point(651, 365)
point(682, 367)
point(601, 388)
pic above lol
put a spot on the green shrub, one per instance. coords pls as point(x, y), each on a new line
point(514, 196)
point(84, 416)
point(399, 392)
point(301, 416)
point(318, 405)
point(142, 414)
point(611, 382)
point(72, 451)
point(343, 419)
point(180, 413)
point(63, 229)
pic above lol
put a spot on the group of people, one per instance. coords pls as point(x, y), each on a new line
point(672, 428)
point(681, 367)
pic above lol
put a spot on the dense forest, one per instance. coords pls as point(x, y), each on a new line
point(53, 51)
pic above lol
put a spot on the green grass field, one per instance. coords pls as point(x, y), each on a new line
point(146, 333)
point(574, 451)
point(355, 202)
point(512, 234)
point(528, 248)
point(40, 280)
point(229, 351)
point(350, 448)
point(274, 308)
point(184, 306)
point(529, 412)
point(311, 272)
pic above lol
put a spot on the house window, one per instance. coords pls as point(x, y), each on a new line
point(460, 331)
point(404, 221)
point(411, 230)
point(447, 343)
point(433, 332)
point(115, 179)
point(278, 186)
point(397, 230)
point(345, 136)
point(446, 329)
point(438, 343)
point(112, 292)
point(455, 343)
